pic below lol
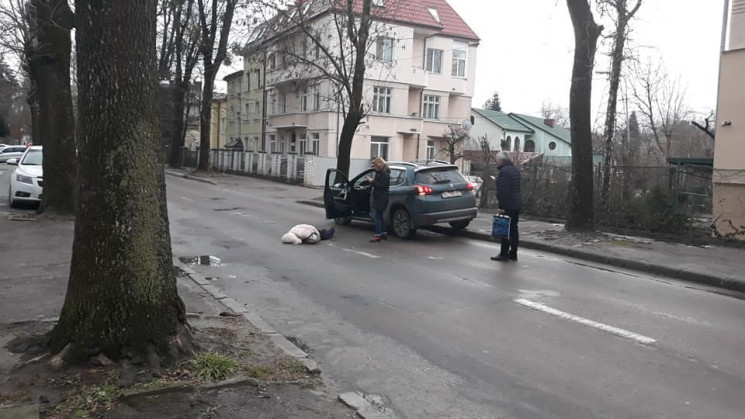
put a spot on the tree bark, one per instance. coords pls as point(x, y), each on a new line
point(121, 298)
point(205, 119)
point(586, 33)
point(359, 38)
point(624, 16)
point(56, 121)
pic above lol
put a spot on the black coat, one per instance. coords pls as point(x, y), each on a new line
point(509, 191)
point(380, 184)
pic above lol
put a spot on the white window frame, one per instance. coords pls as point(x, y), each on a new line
point(431, 107)
point(433, 63)
point(304, 99)
point(379, 147)
point(273, 103)
point(316, 98)
point(430, 150)
point(460, 59)
point(384, 51)
point(315, 143)
point(382, 99)
point(247, 115)
point(272, 143)
point(282, 103)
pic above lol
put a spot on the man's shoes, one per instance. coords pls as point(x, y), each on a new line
point(384, 236)
point(376, 239)
point(505, 258)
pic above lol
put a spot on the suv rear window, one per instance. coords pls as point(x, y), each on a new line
point(439, 176)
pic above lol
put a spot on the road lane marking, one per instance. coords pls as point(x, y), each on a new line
point(365, 254)
point(187, 199)
point(587, 322)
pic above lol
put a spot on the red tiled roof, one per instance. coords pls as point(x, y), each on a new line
point(416, 12)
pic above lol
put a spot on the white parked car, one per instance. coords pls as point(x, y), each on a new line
point(11, 152)
point(27, 181)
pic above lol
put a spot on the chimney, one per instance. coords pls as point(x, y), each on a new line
point(550, 122)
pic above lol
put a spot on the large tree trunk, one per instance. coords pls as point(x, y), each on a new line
point(56, 120)
point(121, 298)
point(355, 91)
point(586, 33)
point(180, 90)
point(205, 119)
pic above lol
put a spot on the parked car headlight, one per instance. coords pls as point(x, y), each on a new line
point(24, 179)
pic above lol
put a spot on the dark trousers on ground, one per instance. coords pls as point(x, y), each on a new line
point(509, 246)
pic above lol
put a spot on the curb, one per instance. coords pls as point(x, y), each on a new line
point(728, 283)
point(289, 348)
point(190, 177)
point(367, 407)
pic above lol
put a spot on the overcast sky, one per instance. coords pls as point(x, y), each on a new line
point(527, 45)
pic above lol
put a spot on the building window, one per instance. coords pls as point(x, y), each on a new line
point(248, 112)
point(507, 144)
point(530, 146)
point(248, 82)
point(385, 49)
point(552, 146)
point(460, 58)
point(316, 99)
point(434, 61)
point(382, 99)
point(273, 103)
point(431, 107)
point(315, 143)
point(379, 147)
point(272, 144)
point(430, 150)
point(282, 144)
point(517, 144)
point(258, 79)
point(379, 3)
point(282, 103)
point(304, 100)
point(272, 61)
point(303, 146)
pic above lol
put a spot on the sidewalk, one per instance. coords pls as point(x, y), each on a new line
point(35, 257)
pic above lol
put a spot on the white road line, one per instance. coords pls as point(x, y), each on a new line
point(587, 322)
point(365, 254)
point(187, 199)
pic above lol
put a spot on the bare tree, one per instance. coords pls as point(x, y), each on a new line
point(215, 21)
point(550, 110)
point(709, 125)
point(622, 15)
point(121, 299)
point(661, 101)
point(333, 40)
point(455, 138)
point(586, 34)
point(50, 70)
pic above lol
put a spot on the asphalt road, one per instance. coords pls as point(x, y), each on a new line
point(439, 330)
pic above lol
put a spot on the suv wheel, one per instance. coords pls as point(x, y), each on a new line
point(460, 225)
point(343, 221)
point(402, 227)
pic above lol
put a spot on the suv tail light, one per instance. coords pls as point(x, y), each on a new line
point(469, 187)
point(422, 190)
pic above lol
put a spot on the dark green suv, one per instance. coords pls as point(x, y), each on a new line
point(420, 195)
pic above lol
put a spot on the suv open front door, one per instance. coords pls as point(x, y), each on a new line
point(336, 197)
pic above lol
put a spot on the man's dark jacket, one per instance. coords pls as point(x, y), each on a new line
point(381, 183)
point(509, 191)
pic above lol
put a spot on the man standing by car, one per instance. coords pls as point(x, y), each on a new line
point(509, 195)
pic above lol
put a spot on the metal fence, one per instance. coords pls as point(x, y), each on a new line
point(658, 199)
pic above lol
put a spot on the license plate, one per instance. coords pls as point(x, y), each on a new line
point(452, 194)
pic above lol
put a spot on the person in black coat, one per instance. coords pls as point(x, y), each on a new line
point(509, 195)
point(380, 183)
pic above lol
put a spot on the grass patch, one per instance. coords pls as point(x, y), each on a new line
point(90, 401)
point(293, 366)
point(259, 372)
point(213, 366)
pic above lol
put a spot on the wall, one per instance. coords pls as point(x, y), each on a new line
point(729, 152)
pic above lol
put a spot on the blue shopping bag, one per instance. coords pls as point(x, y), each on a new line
point(500, 227)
